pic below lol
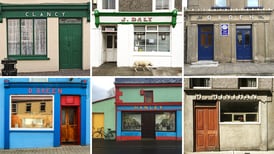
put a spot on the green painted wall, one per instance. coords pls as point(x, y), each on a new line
point(161, 94)
point(108, 108)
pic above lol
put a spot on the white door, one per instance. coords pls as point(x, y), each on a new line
point(111, 48)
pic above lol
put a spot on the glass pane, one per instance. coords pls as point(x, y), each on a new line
point(203, 40)
point(139, 41)
point(165, 121)
point(252, 3)
point(148, 96)
point(72, 118)
point(115, 41)
point(247, 82)
point(247, 38)
point(226, 117)
point(13, 37)
point(33, 118)
point(210, 38)
point(251, 117)
point(151, 28)
point(139, 28)
point(40, 36)
point(131, 121)
point(164, 28)
point(220, 3)
point(26, 36)
point(69, 20)
point(63, 117)
point(207, 29)
point(151, 42)
point(239, 38)
point(238, 118)
point(108, 4)
point(109, 41)
point(200, 82)
point(164, 42)
point(162, 4)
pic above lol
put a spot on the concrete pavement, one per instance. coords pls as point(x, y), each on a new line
point(63, 72)
point(229, 69)
point(110, 69)
point(233, 152)
point(71, 149)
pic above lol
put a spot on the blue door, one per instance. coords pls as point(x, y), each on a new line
point(244, 43)
point(205, 42)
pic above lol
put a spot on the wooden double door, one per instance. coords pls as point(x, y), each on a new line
point(70, 133)
point(206, 126)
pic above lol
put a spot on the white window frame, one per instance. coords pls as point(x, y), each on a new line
point(171, 6)
point(198, 87)
point(215, 3)
point(259, 3)
point(241, 123)
point(100, 6)
point(38, 79)
point(257, 84)
point(34, 129)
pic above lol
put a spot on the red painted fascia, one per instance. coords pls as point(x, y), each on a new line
point(149, 85)
point(173, 138)
point(150, 104)
point(128, 138)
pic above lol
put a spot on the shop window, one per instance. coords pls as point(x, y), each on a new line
point(148, 96)
point(152, 38)
point(131, 121)
point(200, 83)
point(27, 37)
point(32, 112)
point(247, 83)
point(165, 121)
point(163, 5)
point(239, 112)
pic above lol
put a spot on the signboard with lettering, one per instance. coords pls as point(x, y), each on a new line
point(224, 29)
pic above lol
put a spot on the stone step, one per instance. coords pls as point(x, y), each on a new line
point(205, 63)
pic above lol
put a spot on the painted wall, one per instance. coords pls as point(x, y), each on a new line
point(41, 1)
point(2, 115)
point(108, 108)
point(160, 94)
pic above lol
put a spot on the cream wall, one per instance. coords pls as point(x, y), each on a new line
point(42, 1)
point(3, 40)
point(86, 44)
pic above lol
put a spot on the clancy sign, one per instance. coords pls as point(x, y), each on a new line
point(45, 14)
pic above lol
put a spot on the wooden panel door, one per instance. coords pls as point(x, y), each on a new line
point(69, 127)
point(148, 125)
point(206, 123)
point(205, 42)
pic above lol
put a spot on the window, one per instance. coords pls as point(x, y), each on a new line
point(220, 3)
point(252, 3)
point(163, 5)
point(247, 83)
point(148, 96)
point(239, 111)
point(32, 112)
point(165, 121)
point(131, 121)
point(108, 4)
point(152, 38)
point(200, 83)
point(27, 37)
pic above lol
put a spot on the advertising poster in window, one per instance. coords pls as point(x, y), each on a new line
point(165, 121)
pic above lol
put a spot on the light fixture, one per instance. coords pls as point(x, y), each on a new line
point(163, 37)
point(139, 37)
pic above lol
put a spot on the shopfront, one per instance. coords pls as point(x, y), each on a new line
point(146, 110)
point(46, 36)
point(46, 113)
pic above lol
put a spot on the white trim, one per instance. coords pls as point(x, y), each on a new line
point(30, 129)
point(171, 6)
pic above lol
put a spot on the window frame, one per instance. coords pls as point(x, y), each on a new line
point(260, 6)
point(171, 6)
point(122, 121)
point(31, 129)
point(152, 96)
point(241, 113)
point(200, 87)
point(33, 56)
point(239, 86)
point(175, 120)
point(100, 6)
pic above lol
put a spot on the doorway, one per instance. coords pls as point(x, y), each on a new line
point(97, 124)
point(244, 43)
point(70, 43)
point(70, 125)
point(205, 42)
point(206, 126)
point(110, 47)
point(148, 125)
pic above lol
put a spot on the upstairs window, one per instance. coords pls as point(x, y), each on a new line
point(252, 3)
point(108, 4)
point(163, 5)
point(247, 83)
point(200, 83)
point(220, 3)
point(148, 96)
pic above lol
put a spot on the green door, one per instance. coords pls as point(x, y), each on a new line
point(70, 43)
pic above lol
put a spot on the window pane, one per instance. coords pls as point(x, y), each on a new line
point(239, 38)
point(252, 3)
point(162, 4)
point(109, 41)
point(200, 82)
point(139, 41)
point(220, 3)
point(247, 82)
point(151, 42)
point(131, 121)
point(29, 114)
point(26, 36)
point(108, 4)
point(148, 96)
point(164, 41)
point(40, 36)
point(165, 121)
point(247, 38)
point(13, 37)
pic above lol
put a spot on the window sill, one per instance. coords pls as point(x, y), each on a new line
point(254, 7)
point(152, 53)
point(220, 7)
point(29, 57)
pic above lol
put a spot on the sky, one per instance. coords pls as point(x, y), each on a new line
point(101, 87)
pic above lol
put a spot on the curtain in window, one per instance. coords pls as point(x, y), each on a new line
point(13, 36)
point(108, 4)
point(40, 36)
point(26, 36)
point(162, 4)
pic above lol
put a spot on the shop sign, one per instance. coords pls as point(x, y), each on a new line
point(229, 17)
point(136, 19)
point(226, 97)
point(45, 90)
point(45, 14)
point(224, 29)
point(148, 107)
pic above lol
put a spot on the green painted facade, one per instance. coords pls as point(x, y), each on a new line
point(107, 107)
point(160, 94)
